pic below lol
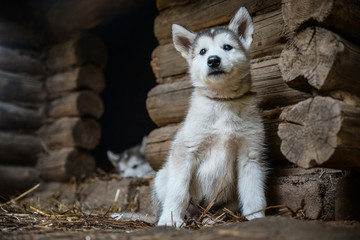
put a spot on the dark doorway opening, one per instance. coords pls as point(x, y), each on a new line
point(129, 39)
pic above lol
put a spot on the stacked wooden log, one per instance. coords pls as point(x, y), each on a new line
point(22, 104)
point(323, 130)
point(73, 86)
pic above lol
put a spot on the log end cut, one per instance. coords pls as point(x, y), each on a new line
point(309, 131)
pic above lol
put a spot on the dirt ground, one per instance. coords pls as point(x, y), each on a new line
point(82, 211)
point(266, 228)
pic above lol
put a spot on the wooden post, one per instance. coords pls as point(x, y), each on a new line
point(323, 60)
point(72, 132)
point(322, 132)
point(65, 163)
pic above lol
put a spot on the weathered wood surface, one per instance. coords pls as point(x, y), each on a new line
point(79, 50)
point(72, 132)
point(339, 15)
point(21, 88)
point(204, 13)
point(20, 61)
point(16, 118)
point(323, 60)
point(16, 180)
point(18, 149)
point(16, 35)
point(83, 103)
point(164, 4)
point(158, 145)
point(84, 77)
point(65, 163)
point(167, 103)
point(159, 140)
point(267, 40)
point(323, 132)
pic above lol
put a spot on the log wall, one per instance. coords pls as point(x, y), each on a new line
point(22, 107)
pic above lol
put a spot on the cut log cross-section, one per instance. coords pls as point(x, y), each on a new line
point(323, 60)
point(321, 131)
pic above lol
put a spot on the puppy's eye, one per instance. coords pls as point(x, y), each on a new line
point(227, 47)
point(135, 166)
point(202, 51)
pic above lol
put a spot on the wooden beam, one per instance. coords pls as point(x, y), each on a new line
point(84, 77)
point(204, 13)
point(18, 118)
point(20, 61)
point(83, 103)
point(322, 132)
point(20, 149)
point(16, 180)
point(21, 88)
point(66, 163)
point(81, 49)
point(72, 132)
point(323, 60)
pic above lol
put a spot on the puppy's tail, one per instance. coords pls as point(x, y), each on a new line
point(134, 217)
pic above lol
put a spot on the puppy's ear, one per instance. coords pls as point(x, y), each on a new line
point(182, 39)
point(242, 25)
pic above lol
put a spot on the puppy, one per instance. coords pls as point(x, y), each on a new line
point(222, 135)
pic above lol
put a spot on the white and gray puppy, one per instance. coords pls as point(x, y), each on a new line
point(222, 134)
point(131, 162)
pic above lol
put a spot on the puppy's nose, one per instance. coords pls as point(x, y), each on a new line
point(213, 61)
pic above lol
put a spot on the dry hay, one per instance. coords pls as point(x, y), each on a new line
point(28, 215)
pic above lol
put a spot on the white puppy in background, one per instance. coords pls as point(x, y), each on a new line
point(222, 135)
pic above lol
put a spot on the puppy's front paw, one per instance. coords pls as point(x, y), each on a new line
point(168, 220)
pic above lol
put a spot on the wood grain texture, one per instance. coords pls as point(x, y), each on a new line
point(13, 117)
point(83, 77)
point(83, 103)
point(339, 15)
point(20, 149)
point(323, 60)
point(204, 13)
point(322, 132)
point(81, 49)
point(22, 88)
point(70, 132)
point(15, 180)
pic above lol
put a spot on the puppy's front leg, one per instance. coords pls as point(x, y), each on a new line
point(251, 184)
point(177, 193)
